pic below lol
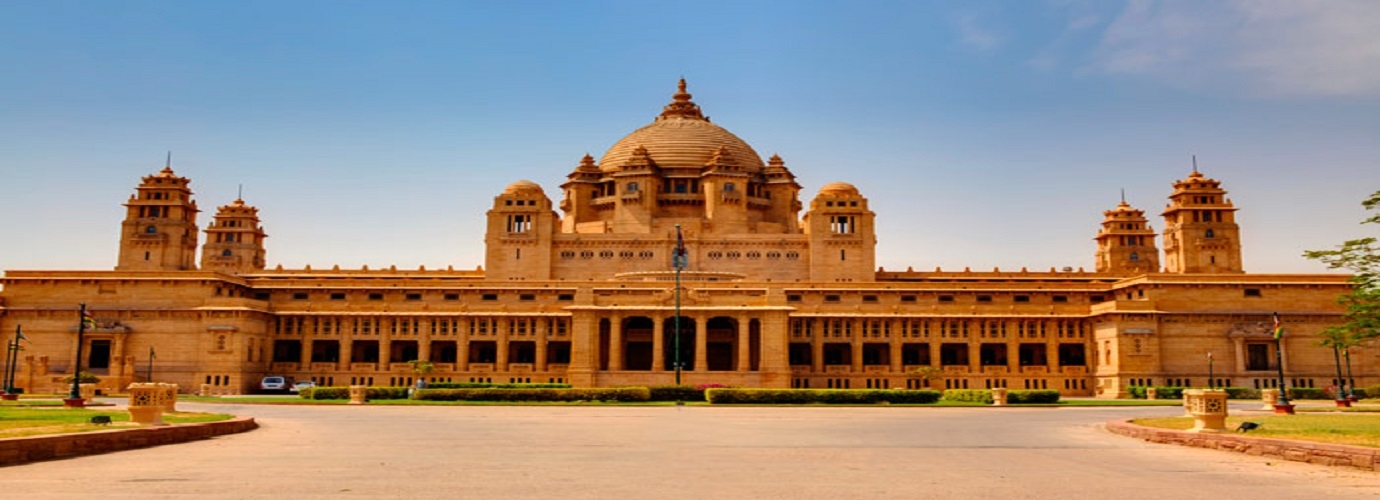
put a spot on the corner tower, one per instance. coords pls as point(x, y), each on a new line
point(234, 240)
point(159, 232)
point(1126, 243)
point(843, 238)
point(518, 240)
point(1200, 231)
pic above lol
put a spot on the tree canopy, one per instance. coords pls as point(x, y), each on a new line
point(1362, 303)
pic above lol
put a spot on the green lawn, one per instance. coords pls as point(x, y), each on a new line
point(1359, 430)
point(17, 421)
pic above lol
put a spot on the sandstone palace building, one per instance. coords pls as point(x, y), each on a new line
point(578, 287)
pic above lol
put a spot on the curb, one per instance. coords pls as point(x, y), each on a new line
point(1336, 455)
point(16, 451)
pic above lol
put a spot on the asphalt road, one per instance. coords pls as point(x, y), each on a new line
point(688, 452)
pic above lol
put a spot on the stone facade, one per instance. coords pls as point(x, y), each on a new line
point(583, 291)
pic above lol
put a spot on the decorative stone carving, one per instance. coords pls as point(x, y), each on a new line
point(1269, 397)
point(1208, 407)
point(147, 403)
point(358, 393)
point(998, 397)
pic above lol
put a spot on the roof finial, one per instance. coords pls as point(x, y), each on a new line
point(168, 164)
point(240, 195)
point(1195, 164)
point(680, 105)
point(1123, 196)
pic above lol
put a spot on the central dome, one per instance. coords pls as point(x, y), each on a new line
point(681, 137)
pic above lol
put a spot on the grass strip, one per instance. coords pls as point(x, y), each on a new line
point(1358, 430)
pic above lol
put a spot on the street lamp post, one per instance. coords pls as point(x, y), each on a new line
point(1283, 399)
point(75, 394)
point(1351, 385)
point(150, 364)
point(678, 260)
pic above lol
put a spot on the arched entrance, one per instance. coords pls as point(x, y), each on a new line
point(721, 343)
point(637, 343)
point(687, 343)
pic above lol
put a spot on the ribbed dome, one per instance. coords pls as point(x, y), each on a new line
point(524, 187)
point(839, 188)
point(681, 137)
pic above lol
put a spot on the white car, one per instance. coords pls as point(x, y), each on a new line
point(273, 384)
point(301, 384)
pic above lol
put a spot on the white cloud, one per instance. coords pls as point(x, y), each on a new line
point(973, 34)
point(1266, 47)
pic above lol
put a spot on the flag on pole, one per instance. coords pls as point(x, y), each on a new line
point(88, 320)
point(679, 258)
point(14, 346)
point(19, 334)
point(1279, 330)
point(1209, 356)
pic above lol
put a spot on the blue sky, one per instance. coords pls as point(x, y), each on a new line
point(986, 134)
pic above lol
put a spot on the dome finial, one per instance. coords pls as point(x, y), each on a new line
point(681, 106)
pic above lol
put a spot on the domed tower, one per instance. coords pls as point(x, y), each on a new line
point(1126, 243)
point(518, 240)
point(1200, 231)
point(842, 232)
point(159, 232)
point(234, 240)
point(681, 169)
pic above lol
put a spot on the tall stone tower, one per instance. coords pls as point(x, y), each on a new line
point(520, 229)
point(1200, 231)
point(234, 240)
point(1126, 243)
point(843, 238)
point(159, 232)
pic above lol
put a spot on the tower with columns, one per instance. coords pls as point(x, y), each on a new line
point(159, 232)
point(1200, 231)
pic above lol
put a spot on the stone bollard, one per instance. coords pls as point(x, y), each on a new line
point(1208, 407)
point(87, 391)
point(1268, 397)
point(169, 396)
point(146, 404)
point(358, 393)
point(998, 397)
point(1152, 393)
point(204, 390)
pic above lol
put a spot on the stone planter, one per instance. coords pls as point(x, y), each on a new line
point(147, 403)
point(169, 396)
point(1268, 397)
point(1208, 407)
point(358, 393)
point(1344, 403)
point(998, 397)
point(1152, 393)
point(1284, 409)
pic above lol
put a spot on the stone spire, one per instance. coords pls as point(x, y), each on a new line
point(681, 106)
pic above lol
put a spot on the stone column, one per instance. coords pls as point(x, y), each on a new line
point(543, 337)
point(386, 327)
point(616, 342)
point(855, 343)
point(1239, 350)
point(424, 339)
point(658, 343)
point(347, 346)
point(501, 328)
point(701, 343)
point(744, 349)
point(818, 329)
point(898, 332)
point(462, 344)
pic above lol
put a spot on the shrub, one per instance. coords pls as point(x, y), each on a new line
point(676, 393)
point(1163, 392)
point(819, 396)
point(969, 395)
point(317, 393)
point(620, 394)
point(1136, 392)
point(84, 377)
point(1242, 393)
point(491, 385)
point(1308, 393)
point(1032, 396)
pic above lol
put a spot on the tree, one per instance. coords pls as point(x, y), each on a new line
point(1362, 303)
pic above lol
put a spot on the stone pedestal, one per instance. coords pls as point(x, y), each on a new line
point(204, 390)
point(1268, 397)
point(169, 396)
point(73, 403)
point(1152, 393)
point(358, 393)
point(1208, 407)
point(998, 397)
point(88, 391)
point(9, 397)
point(147, 403)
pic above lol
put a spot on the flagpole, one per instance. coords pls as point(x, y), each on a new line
point(75, 394)
point(11, 356)
point(1211, 383)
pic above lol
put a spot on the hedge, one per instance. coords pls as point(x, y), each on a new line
point(983, 396)
point(490, 385)
point(677, 393)
point(1032, 396)
point(344, 393)
point(1308, 393)
point(721, 396)
point(1242, 393)
point(619, 394)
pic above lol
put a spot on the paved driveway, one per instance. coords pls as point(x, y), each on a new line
point(670, 452)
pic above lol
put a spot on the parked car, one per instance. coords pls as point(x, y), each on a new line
point(301, 384)
point(273, 384)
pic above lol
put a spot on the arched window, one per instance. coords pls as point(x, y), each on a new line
point(150, 230)
point(728, 187)
point(632, 187)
